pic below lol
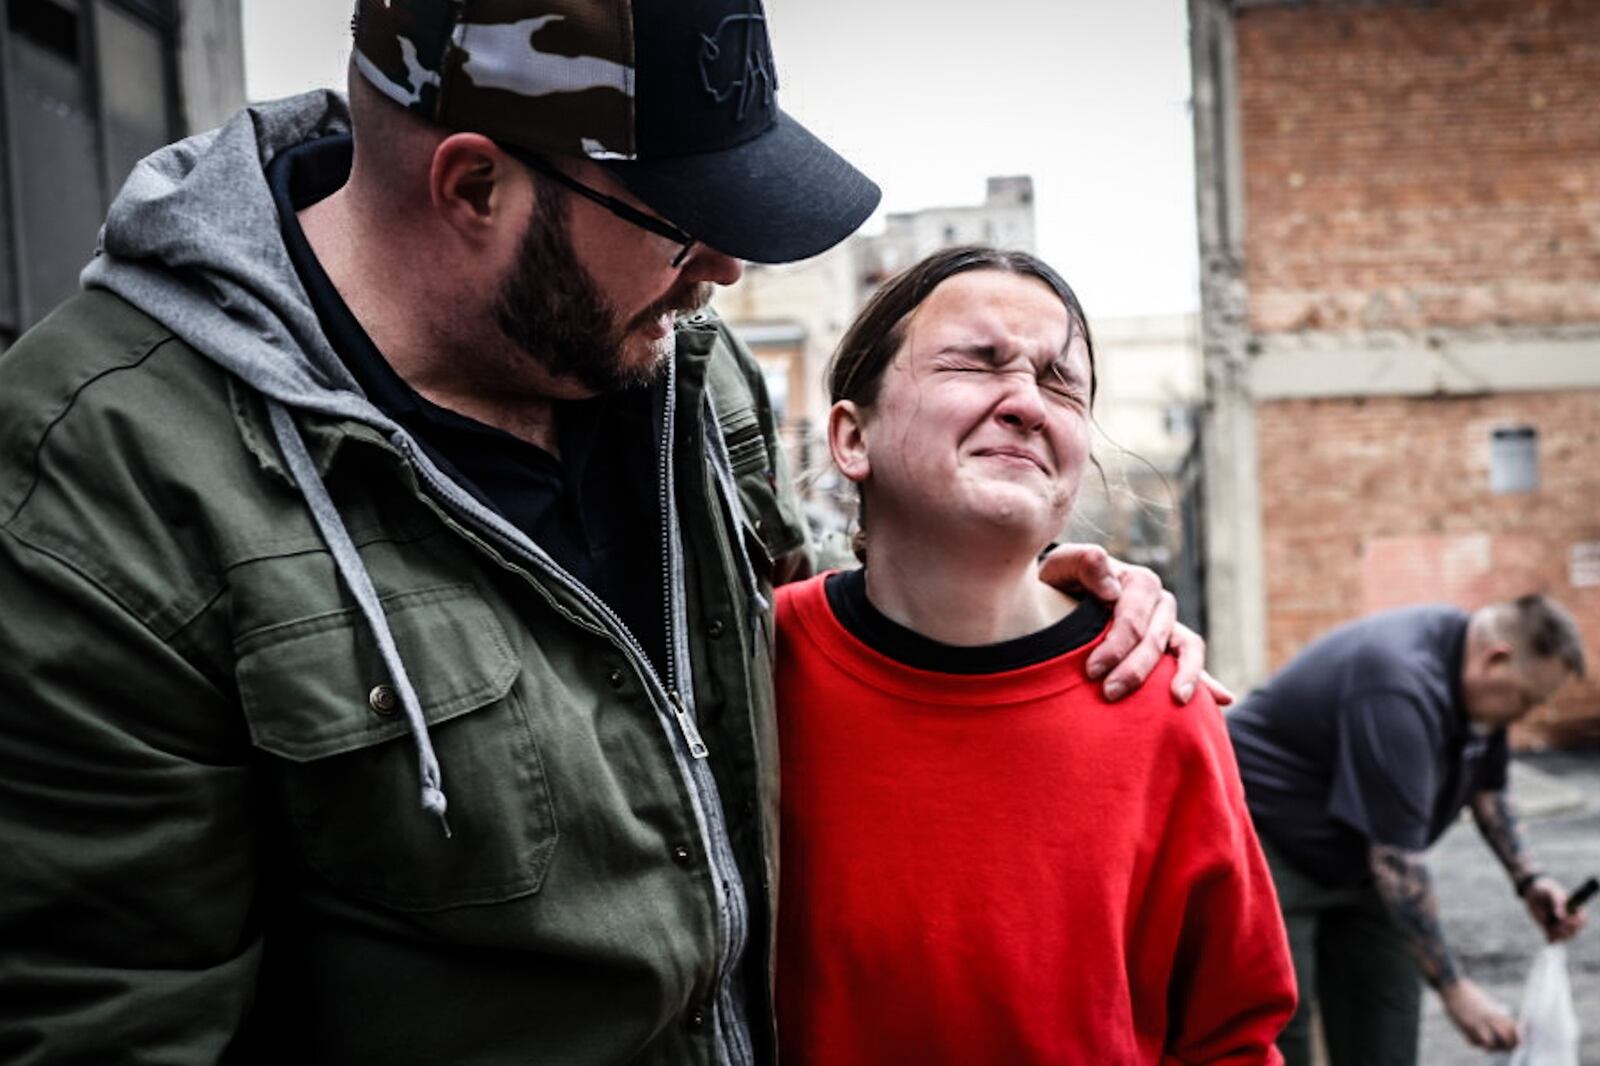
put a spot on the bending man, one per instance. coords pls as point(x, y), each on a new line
point(1356, 758)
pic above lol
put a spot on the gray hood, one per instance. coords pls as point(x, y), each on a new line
point(194, 241)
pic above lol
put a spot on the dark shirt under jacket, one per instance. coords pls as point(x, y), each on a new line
point(1363, 739)
point(594, 510)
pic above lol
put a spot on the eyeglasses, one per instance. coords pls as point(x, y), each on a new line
point(627, 212)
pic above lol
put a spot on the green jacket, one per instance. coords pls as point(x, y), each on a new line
point(211, 847)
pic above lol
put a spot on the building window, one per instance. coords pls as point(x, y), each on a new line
point(86, 91)
point(47, 25)
point(1513, 459)
point(136, 107)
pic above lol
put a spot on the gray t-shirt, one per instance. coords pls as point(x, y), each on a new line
point(1363, 739)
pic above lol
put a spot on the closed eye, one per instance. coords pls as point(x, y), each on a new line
point(1062, 383)
point(969, 357)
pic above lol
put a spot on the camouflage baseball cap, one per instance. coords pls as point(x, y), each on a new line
point(676, 98)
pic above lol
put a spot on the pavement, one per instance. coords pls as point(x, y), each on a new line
point(1558, 795)
point(1559, 788)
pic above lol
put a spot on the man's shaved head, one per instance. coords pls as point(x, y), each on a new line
point(1537, 627)
point(1519, 652)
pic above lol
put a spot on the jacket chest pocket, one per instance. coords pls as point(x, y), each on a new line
point(320, 702)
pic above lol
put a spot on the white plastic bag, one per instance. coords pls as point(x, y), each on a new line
point(1547, 1022)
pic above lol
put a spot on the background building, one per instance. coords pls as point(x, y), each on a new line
point(791, 315)
point(1149, 385)
point(1004, 219)
point(1399, 208)
point(87, 88)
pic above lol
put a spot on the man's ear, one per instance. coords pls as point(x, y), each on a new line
point(847, 440)
point(474, 186)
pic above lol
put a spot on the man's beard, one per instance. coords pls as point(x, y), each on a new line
point(550, 307)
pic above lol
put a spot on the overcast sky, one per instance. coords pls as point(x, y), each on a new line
point(929, 97)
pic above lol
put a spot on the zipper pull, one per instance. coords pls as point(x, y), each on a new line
point(691, 732)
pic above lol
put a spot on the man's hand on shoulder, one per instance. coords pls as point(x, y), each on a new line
point(1144, 623)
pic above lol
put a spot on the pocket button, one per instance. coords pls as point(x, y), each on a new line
point(383, 700)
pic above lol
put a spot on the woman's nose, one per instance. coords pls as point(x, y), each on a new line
point(1022, 407)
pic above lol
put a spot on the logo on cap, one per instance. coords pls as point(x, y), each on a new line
point(744, 39)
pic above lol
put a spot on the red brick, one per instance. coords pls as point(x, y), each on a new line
point(1410, 165)
point(1378, 502)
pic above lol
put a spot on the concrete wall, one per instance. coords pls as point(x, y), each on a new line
point(1230, 534)
point(210, 62)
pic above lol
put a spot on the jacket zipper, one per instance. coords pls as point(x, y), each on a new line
point(731, 1025)
point(669, 559)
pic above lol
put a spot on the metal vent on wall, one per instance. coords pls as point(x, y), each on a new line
point(1513, 459)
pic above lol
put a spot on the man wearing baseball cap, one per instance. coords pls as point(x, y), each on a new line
point(387, 541)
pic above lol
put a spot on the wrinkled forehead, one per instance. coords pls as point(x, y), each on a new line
point(1017, 312)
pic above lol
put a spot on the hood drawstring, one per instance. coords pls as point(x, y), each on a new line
point(357, 580)
point(756, 605)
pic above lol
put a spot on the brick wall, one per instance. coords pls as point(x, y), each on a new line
point(1420, 163)
point(1379, 502)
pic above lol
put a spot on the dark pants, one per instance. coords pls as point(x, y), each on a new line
point(1351, 963)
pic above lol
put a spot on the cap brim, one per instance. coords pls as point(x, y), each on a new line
point(777, 198)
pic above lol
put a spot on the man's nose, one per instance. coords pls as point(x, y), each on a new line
point(707, 264)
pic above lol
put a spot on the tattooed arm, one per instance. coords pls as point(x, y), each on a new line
point(1497, 821)
point(1406, 887)
point(1545, 898)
